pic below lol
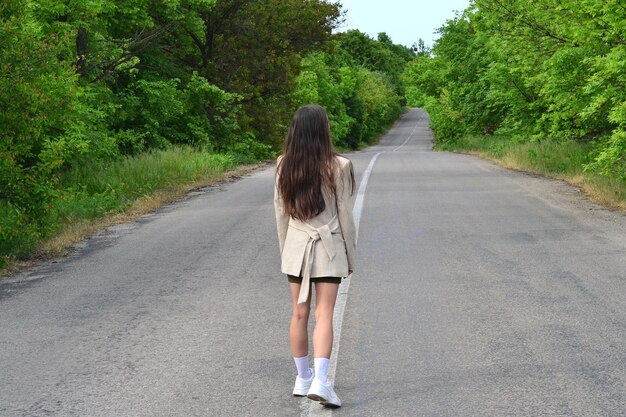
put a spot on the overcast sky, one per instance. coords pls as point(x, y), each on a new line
point(405, 21)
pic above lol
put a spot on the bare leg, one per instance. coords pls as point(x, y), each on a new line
point(325, 296)
point(298, 333)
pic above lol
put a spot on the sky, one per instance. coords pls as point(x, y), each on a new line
point(405, 21)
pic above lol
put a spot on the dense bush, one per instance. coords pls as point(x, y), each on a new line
point(358, 84)
point(37, 123)
point(90, 87)
point(530, 70)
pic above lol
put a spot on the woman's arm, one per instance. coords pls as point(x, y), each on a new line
point(282, 219)
point(344, 212)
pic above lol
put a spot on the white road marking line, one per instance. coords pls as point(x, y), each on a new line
point(360, 195)
point(312, 408)
point(407, 139)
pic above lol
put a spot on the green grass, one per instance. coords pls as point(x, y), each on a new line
point(551, 158)
point(95, 189)
point(94, 195)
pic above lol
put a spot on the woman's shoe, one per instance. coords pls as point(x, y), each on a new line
point(324, 393)
point(302, 386)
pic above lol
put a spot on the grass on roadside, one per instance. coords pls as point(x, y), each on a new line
point(94, 189)
point(563, 160)
point(97, 195)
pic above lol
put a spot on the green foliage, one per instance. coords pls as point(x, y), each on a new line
point(99, 96)
point(155, 114)
point(548, 157)
point(95, 188)
point(352, 84)
point(324, 82)
point(529, 70)
point(254, 48)
point(360, 103)
point(380, 55)
point(423, 77)
point(610, 158)
point(38, 98)
point(380, 104)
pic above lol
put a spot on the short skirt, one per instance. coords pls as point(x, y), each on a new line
point(298, 280)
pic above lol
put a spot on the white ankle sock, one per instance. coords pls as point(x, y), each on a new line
point(321, 369)
point(303, 367)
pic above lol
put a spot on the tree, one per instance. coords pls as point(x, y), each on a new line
point(38, 100)
point(530, 70)
point(378, 56)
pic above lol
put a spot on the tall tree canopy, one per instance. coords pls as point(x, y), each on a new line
point(531, 70)
point(86, 82)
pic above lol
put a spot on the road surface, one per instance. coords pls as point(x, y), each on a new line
point(479, 292)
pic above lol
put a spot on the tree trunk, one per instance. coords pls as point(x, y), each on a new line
point(81, 51)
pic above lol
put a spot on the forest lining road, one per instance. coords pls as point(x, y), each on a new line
point(479, 291)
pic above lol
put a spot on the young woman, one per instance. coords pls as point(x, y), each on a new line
point(317, 239)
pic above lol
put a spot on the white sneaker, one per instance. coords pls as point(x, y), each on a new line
point(302, 385)
point(324, 393)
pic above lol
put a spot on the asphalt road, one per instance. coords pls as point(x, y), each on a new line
point(479, 292)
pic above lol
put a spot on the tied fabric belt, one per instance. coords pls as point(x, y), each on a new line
point(322, 234)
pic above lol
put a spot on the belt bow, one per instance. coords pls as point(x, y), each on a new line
point(322, 234)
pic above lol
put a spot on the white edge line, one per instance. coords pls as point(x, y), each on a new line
point(360, 195)
point(312, 408)
point(407, 139)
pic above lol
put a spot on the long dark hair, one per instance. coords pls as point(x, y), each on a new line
point(308, 165)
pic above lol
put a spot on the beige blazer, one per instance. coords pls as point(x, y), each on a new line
point(324, 246)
